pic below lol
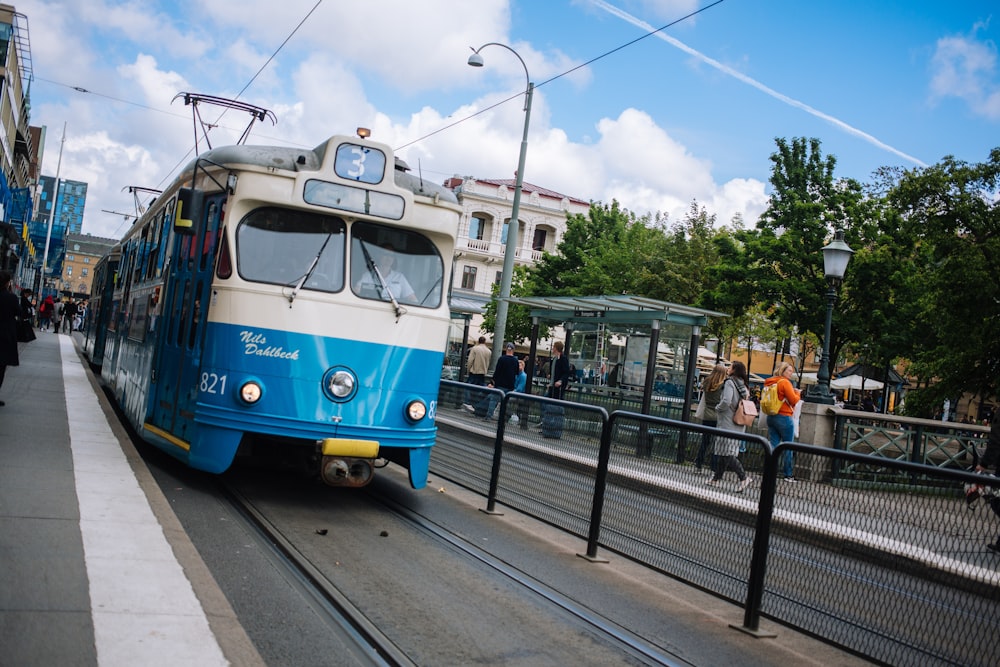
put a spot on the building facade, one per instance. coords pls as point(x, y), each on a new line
point(18, 150)
point(82, 253)
point(482, 236)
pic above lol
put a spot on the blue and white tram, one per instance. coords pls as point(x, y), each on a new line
point(274, 294)
point(99, 306)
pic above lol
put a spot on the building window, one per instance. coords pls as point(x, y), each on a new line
point(503, 235)
point(477, 225)
point(86, 260)
point(84, 272)
point(497, 278)
point(69, 270)
point(469, 277)
point(538, 242)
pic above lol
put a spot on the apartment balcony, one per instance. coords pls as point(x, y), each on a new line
point(488, 250)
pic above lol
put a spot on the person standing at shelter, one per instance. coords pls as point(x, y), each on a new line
point(477, 365)
point(781, 426)
point(734, 389)
point(522, 377)
point(560, 371)
point(10, 312)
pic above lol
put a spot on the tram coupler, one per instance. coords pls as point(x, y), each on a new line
point(347, 462)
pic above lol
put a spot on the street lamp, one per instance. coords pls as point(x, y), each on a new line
point(836, 255)
point(510, 248)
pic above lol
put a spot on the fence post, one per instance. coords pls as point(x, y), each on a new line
point(491, 497)
point(600, 484)
point(761, 540)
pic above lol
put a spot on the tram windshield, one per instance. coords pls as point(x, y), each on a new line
point(284, 246)
point(395, 264)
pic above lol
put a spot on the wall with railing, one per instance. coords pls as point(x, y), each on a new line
point(897, 572)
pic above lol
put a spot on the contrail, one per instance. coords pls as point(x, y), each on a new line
point(611, 9)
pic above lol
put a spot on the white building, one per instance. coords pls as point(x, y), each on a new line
point(482, 235)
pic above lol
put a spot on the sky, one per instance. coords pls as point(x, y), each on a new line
point(654, 121)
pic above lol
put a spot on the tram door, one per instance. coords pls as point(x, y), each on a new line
point(178, 357)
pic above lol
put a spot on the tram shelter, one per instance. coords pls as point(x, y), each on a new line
point(656, 342)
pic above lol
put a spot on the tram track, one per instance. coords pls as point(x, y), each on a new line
point(627, 641)
point(318, 584)
point(337, 611)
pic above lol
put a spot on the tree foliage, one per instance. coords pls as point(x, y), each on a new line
point(949, 228)
point(923, 285)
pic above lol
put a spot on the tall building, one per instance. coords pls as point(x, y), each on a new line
point(18, 152)
point(482, 235)
point(63, 206)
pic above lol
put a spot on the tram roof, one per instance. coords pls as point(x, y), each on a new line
point(618, 308)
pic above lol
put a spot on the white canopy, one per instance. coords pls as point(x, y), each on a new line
point(855, 382)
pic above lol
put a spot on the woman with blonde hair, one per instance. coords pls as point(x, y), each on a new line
point(711, 389)
point(781, 427)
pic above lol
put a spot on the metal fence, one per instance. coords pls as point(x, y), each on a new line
point(898, 573)
point(934, 443)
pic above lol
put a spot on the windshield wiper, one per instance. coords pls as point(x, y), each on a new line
point(312, 267)
point(373, 267)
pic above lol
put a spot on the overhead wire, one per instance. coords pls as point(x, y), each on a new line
point(418, 139)
point(562, 74)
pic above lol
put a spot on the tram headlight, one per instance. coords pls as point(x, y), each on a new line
point(250, 392)
point(416, 410)
point(340, 384)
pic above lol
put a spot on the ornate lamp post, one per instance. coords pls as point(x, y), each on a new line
point(510, 248)
point(836, 255)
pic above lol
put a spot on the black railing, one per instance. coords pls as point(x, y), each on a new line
point(889, 572)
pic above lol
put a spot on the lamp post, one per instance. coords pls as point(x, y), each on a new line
point(510, 248)
point(836, 255)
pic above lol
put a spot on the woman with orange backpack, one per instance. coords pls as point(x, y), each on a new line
point(780, 426)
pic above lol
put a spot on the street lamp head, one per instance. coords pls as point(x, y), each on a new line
point(836, 255)
point(475, 60)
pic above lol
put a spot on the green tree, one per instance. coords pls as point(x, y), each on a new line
point(949, 221)
point(779, 264)
point(608, 251)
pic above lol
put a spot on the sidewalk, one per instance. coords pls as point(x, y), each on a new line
point(96, 569)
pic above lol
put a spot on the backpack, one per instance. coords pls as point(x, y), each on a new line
point(769, 401)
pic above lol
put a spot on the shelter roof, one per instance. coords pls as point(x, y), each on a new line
point(873, 372)
point(620, 308)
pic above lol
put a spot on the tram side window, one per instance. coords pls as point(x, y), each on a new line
point(210, 235)
point(195, 316)
point(281, 246)
point(182, 316)
point(409, 265)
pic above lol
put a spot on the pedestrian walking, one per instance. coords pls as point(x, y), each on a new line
point(476, 365)
point(734, 390)
point(711, 394)
point(10, 314)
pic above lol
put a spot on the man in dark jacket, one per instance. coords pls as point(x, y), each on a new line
point(504, 376)
point(991, 459)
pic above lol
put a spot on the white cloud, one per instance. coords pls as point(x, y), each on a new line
point(966, 68)
point(335, 74)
